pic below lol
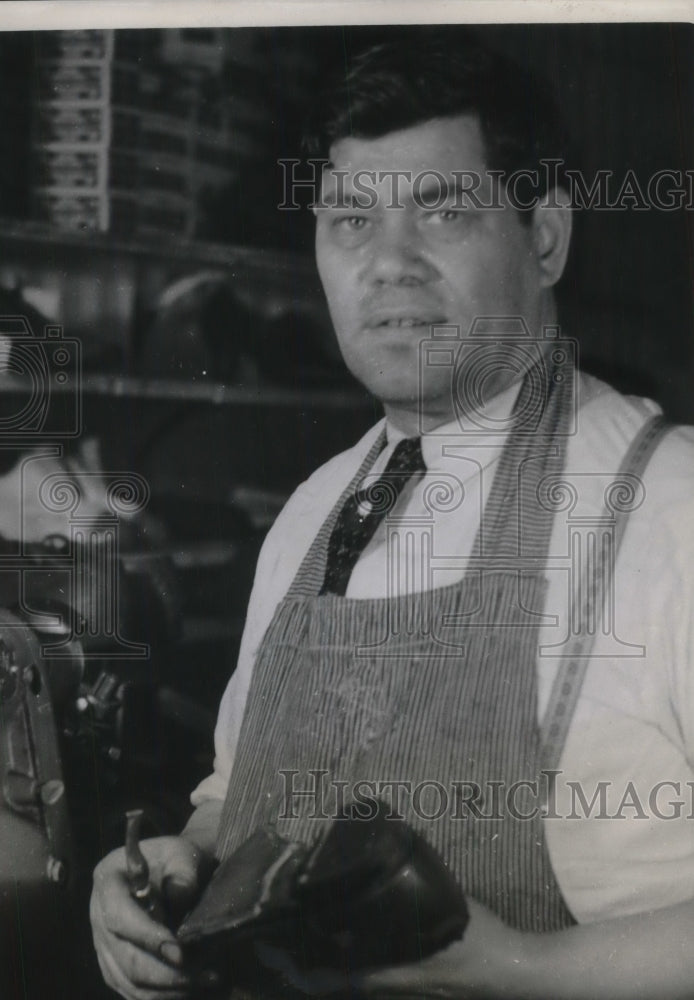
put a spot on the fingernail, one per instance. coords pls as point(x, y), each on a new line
point(171, 952)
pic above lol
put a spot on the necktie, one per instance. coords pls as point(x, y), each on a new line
point(364, 510)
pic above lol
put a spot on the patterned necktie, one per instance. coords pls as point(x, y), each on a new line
point(363, 512)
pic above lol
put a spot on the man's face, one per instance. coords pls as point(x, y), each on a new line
point(390, 272)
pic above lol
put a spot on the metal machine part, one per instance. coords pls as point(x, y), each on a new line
point(33, 783)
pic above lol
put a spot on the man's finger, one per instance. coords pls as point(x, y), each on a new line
point(144, 970)
point(392, 981)
point(114, 909)
point(134, 972)
point(115, 979)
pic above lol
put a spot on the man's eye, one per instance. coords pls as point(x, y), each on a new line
point(447, 215)
point(350, 230)
point(354, 222)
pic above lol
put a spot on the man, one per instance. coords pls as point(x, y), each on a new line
point(438, 652)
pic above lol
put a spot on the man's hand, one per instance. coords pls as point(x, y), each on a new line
point(647, 956)
point(479, 966)
point(140, 958)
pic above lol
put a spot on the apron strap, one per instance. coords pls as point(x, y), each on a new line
point(538, 432)
point(572, 671)
point(514, 527)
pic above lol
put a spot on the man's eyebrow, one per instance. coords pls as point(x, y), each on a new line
point(429, 189)
point(344, 200)
point(439, 189)
point(352, 199)
point(339, 193)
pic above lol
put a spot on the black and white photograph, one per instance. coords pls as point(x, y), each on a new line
point(346, 503)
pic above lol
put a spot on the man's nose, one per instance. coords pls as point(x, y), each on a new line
point(397, 256)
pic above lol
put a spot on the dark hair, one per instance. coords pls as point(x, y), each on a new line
point(441, 73)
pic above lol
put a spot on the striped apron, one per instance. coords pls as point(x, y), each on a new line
point(436, 691)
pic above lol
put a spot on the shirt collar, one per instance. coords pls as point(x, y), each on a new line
point(483, 437)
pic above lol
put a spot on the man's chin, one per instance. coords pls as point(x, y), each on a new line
point(390, 394)
point(419, 414)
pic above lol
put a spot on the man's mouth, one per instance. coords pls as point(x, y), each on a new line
point(399, 319)
point(403, 321)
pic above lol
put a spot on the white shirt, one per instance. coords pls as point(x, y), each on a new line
point(634, 723)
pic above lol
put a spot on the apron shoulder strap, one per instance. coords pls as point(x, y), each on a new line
point(572, 670)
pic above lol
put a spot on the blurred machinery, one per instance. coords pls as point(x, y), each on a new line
point(79, 734)
point(202, 326)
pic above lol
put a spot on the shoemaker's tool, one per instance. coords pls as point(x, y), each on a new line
point(137, 869)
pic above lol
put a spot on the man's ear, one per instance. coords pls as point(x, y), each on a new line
point(551, 223)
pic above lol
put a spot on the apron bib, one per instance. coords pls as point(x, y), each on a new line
point(435, 691)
